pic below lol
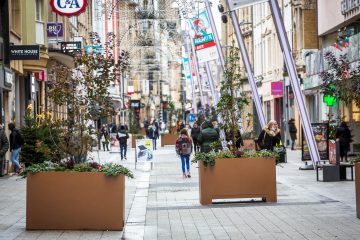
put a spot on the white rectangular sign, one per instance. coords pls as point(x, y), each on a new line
point(206, 54)
point(144, 150)
point(235, 4)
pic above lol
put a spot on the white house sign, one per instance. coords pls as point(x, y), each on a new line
point(68, 7)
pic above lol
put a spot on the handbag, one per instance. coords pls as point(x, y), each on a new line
point(259, 145)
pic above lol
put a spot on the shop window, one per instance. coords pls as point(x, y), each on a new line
point(38, 9)
point(355, 112)
point(15, 23)
point(268, 110)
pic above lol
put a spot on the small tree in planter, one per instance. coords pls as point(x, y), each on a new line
point(232, 102)
point(84, 91)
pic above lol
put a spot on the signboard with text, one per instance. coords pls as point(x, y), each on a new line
point(70, 46)
point(277, 88)
point(24, 52)
point(205, 46)
point(186, 68)
point(68, 7)
point(321, 134)
point(235, 4)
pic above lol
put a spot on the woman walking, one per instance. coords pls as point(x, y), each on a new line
point(344, 136)
point(184, 149)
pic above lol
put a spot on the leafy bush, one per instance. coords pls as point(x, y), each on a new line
point(41, 138)
point(109, 169)
point(210, 158)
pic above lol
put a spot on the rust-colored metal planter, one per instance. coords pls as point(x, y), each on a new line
point(168, 139)
point(357, 188)
point(75, 201)
point(238, 178)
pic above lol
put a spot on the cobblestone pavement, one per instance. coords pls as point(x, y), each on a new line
point(161, 204)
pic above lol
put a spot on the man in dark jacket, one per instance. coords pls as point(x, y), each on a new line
point(4, 146)
point(122, 137)
point(16, 141)
point(207, 136)
point(195, 131)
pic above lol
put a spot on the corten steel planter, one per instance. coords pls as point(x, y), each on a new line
point(75, 201)
point(357, 188)
point(238, 178)
point(168, 139)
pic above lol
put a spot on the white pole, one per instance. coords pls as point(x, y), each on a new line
point(295, 83)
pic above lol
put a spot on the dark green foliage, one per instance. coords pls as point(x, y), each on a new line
point(233, 100)
point(41, 139)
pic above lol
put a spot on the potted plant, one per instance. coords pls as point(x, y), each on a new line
point(69, 196)
point(65, 192)
point(171, 137)
point(236, 174)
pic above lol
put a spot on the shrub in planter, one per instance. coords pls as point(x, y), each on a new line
point(247, 174)
point(69, 196)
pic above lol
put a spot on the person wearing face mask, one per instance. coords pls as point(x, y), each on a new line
point(270, 136)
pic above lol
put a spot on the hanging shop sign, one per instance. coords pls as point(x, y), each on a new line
point(24, 52)
point(203, 38)
point(70, 46)
point(68, 7)
point(54, 30)
point(40, 76)
point(135, 104)
point(93, 49)
point(277, 88)
point(9, 77)
point(235, 4)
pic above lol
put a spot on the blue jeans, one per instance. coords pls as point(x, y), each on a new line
point(123, 148)
point(185, 159)
point(15, 158)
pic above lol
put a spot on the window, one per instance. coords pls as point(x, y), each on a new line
point(15, 16)
point(355, 112)
point(38, 9)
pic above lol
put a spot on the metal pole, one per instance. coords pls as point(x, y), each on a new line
point(295, 83)
point(193, 92)
point(211, 82)
point(248, 68)
point(197, 72)
point(216, 36)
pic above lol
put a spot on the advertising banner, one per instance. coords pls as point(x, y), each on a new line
point(24, 52)
point(321, 134)
point(186, 68)
point(205, 46)
point(235, 4)
point(144, 152)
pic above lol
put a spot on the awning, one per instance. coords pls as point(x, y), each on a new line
point(62, 58)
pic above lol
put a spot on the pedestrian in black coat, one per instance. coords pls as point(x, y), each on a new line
point(293, 131)
point(344, 136)
point(270, 136)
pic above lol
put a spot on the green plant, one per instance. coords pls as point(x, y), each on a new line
point(262, 153)
point(109, 169)
point(355, 160)
point(84, 91)
point(209, 158)
point(341, 81)
point(232, 103)
point(41, 138)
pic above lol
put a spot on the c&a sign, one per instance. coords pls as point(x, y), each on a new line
point(68, 7)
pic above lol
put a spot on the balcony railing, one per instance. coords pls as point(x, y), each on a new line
point(315, 62)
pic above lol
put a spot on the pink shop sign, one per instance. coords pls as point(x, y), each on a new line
point(277, 88)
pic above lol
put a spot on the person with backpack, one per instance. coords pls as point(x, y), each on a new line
point(122, 136)
point(16, 141)
point(184, 148)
